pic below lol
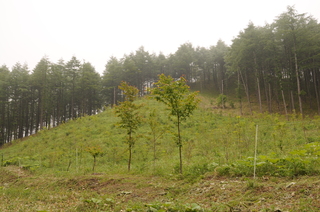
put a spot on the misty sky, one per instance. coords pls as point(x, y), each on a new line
point(95, 30)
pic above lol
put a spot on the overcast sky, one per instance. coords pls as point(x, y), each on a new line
point(95, 30)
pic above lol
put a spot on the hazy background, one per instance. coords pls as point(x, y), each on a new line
point(96, 30)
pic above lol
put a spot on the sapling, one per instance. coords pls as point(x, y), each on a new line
point(129, 114)
point(175, 94)
point(221, 101)
point(156, 133)
point(95, 151)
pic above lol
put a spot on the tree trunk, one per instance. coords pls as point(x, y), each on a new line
point(258, 83)
point(266, 89)
point(307, 86)
point(316, 90)
point(277, 98)
point(292, 101)
point(94, 162)
point(180, 146)
point(270, 97)
point(297, 76)
point(284, 105)
point(32, 112)
point(259, 95)
point(130, 151)
point(20, 118)
point(222, 86)
point(26, 120)
point(130, 156)
point(40, 109)
point(245, 85)
point(239, 95)
point(3, 127)
point(154, 151)
point(114, 96)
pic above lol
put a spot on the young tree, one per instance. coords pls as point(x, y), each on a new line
point(157, 131)
point(94, 151)
point(129, 114)
point(175, 94)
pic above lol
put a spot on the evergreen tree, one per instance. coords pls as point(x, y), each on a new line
point(4, 104)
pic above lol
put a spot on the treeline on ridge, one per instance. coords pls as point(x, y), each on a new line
point(277, 64)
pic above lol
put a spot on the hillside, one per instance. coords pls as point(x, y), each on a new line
point(53, 170)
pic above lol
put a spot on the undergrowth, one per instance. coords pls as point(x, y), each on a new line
point(212, 142)
point(216, 143)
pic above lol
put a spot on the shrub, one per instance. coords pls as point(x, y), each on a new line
point(221, 100)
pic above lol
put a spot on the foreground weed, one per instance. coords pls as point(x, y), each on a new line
point(171, 206)
point(95, 204)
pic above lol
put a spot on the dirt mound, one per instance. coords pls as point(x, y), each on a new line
point(235, 194)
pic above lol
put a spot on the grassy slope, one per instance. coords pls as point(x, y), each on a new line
point(59, 170)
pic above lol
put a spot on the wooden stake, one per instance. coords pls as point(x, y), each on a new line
point(255, 153)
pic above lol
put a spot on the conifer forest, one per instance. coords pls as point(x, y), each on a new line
point(276, 66)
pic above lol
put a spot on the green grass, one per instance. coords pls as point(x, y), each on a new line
point(24, 191)
point(53, 165)
point(209, 137)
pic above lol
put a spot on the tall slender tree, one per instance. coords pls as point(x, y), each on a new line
point(128, 111)
point(175, 94)
point(4, 103)
point(39, 82)
point(73, 68)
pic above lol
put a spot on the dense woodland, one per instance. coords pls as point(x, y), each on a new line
point(277, 65)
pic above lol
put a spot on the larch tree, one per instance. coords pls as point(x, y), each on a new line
point(39, 82)
point(4, 102)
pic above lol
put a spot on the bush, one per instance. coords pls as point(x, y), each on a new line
point(195, 171)
point(221, 100)
point(296, 164)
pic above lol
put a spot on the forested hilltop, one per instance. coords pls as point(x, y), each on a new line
point(277, 64)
